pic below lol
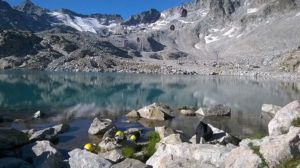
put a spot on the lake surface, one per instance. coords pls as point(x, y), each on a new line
point(77, 97)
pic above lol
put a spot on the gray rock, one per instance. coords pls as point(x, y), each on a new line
point(133, 114)
point(283, 119)
point(155, 111)
point(242, 157)
point(10, 162)
point(42, 154)
point(108, 144)
point(171, 161)
point(202, 154)
point(45, 134)
point(276, 149)
point(10, 138)
point(188, 112)
point(37, 114)
point(130, 163)
point(61, 128)
point(110, 133)
point(173, 139)
point(145, 17)
point(114, 156)
point(99, 126)
point(164, 131)
point(270, 108)
point(81, 158)
point(132, 130)
point(218, 110)
point(218, 137)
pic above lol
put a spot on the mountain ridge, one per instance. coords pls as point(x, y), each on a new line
point(201, 37)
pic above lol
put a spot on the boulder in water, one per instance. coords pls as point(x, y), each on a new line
point(155, 111)
point(218, 110)
point(99, 126)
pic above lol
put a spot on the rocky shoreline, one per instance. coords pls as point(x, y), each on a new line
point(162, 147)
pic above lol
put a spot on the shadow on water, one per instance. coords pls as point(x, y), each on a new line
point(67, 96)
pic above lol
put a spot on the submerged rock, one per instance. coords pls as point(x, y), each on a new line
point(10, 138)
point(187, 111)
point(270, 108)
point(201, 154)
point(155, 111)
point(42, 154)
point(218, 110)
point(9, 162)
point(164, 131)
point(130, 163)
point(81, 158)
point(45, 134)
point(61, 128)
point(99, 126)
point(283, 119)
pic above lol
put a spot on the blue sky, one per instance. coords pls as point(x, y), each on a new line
point(124, 7)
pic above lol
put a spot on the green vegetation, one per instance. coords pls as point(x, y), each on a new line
point(296, 122)
point(255, 150)
point(290, 163)
point(128, 152)
point(149, 149)
point(258, 135)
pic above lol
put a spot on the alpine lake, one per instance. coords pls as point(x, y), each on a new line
point(76, 98)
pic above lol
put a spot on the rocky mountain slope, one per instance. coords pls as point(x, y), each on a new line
point(206, 37)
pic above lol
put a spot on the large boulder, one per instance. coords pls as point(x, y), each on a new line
point(9, 162)
point(174, 139)
point(99, 126)
point(201, 154)
point(42, 154)
point(130, 163)
point(10, 138)
point(81, 158)
point(113, 156)
point(171, 161)
point(242, 157)
point(219, 137)
point(155, 111)
point(283, 119)
point(276, 149)
point(218, 110)
point(45, 134)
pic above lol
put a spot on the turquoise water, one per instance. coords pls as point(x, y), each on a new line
point(78, 97)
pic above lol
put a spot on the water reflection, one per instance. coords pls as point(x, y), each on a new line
point(106, 94)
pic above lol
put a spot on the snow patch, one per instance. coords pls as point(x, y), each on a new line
point(203, 13)
point(298, 14)
point(210, 39)
point(81, 24)
point(240, 35)
point(251, 10)
point(230, 32)
point(197, 46)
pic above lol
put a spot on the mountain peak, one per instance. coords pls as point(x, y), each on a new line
point(27, 6)
point(4, 5)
